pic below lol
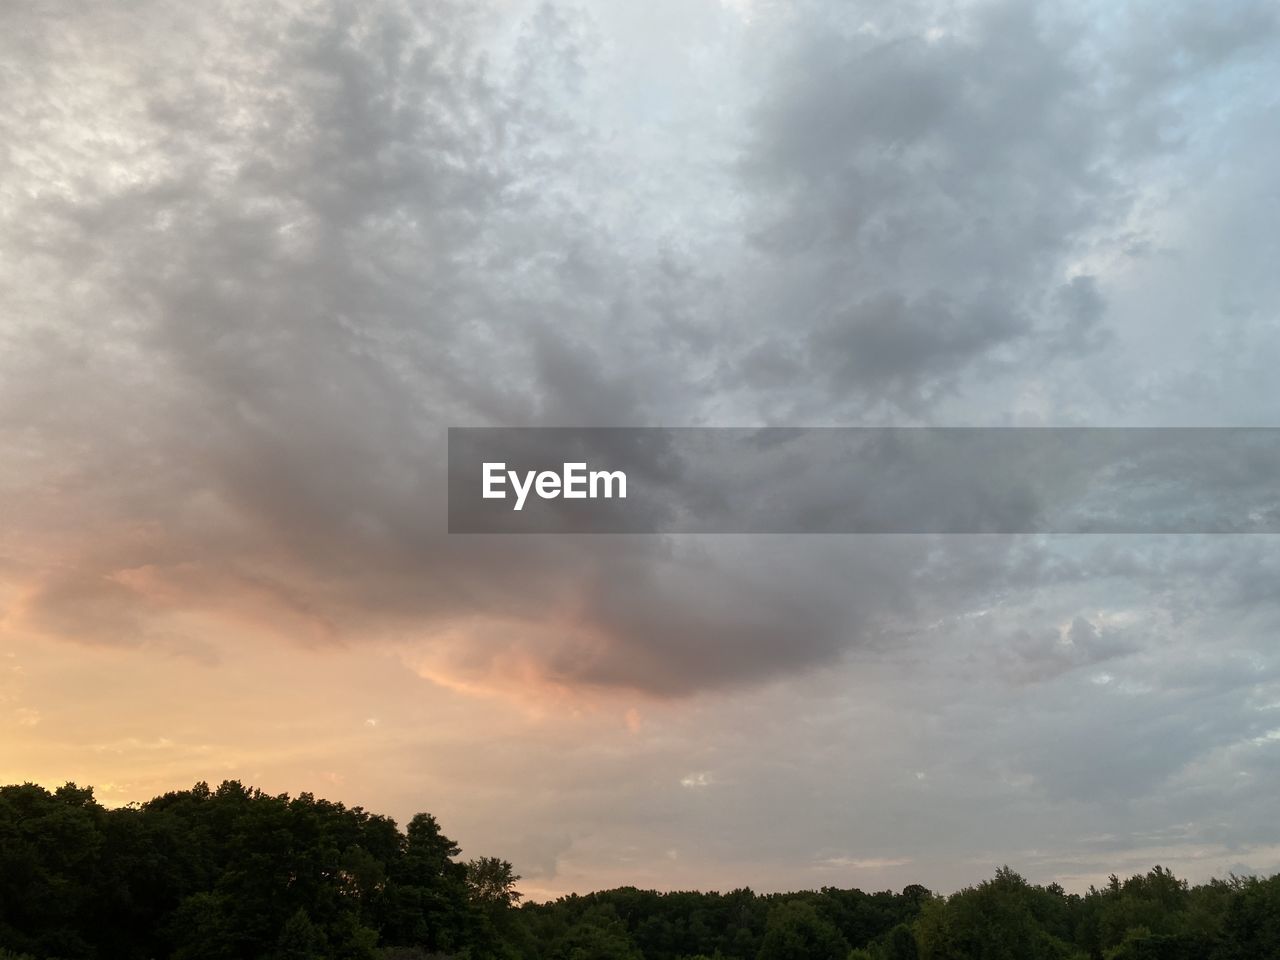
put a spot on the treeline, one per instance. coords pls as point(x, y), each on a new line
point(236, 874)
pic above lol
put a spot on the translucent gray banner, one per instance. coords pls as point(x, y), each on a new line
point(864, 480)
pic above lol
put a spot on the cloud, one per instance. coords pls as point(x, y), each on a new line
point(864, 863)
point(255, 293)
point(940, 189)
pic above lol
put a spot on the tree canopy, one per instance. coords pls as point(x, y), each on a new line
point(233, 873)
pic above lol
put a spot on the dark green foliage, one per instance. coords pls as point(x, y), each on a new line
point(237, 874)
point(1251, 924)
point(599, 935)
point(1002, 919)
point(901, 944)
point(796, 931)
point(50, 846)
point(300, 939)
point(225, 874)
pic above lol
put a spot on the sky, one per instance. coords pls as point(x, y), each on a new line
point(256, 258)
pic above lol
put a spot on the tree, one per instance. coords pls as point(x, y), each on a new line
point(491, 891)
point(232, 873)
point(901, 944)
point(50, 868)
point(300, 939)
point(796, 931)
point(1000, 919)
point(492, 882)
point(1252, 926)
point(599, 935)
point(426, 897)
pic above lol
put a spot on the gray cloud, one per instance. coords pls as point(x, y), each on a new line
point(939, 187)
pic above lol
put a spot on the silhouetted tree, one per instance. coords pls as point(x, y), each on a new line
point(232, 873)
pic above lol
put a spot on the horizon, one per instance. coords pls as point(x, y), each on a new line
point(524, 897)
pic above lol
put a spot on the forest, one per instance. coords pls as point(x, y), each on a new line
point(233, 873)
